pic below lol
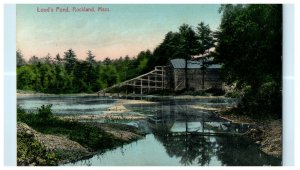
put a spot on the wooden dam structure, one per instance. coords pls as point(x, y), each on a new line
point(151, 81)
point(172, 77)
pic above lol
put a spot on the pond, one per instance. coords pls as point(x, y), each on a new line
point(179, 132)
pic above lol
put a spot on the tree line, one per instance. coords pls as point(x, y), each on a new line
point(68, 74)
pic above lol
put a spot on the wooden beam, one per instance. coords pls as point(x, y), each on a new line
point(141, 86)
point(157, 73)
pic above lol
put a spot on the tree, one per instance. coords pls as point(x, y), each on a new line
point(188, 46)
point(205, 38)
point(80, 82)
point(250, 48)
point(107, 61)
point(47, 59)
point(34, 60)
point(58, 59)
point(25, 77)
point(91, 73)
point(90, 58)
point(166, 50)
point(206, 41)
point(20, 58)
point(70, 59)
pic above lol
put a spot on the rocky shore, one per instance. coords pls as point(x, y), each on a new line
point(267, 134)
point(38, 149)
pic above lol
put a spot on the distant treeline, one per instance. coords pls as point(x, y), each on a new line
point(67, 74)
point(248, 44)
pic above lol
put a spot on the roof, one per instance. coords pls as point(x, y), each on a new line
point(180, 63)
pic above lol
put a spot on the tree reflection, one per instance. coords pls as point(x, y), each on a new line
point(190, 148)
point(239, 151)
point(198, 149)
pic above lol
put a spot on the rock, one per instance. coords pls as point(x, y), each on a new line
point(59, 146)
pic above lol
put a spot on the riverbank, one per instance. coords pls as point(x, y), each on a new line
point(36, 148)
point(267, 134)
point(45, 139)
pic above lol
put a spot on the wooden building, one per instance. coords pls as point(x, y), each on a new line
point(195, 76)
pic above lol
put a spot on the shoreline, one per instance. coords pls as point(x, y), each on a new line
point(267, 134)
point(21, 93)
point(57, 149)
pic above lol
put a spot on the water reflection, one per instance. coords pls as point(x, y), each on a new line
point(214, 150)
point(193, 136)
point(179, 133)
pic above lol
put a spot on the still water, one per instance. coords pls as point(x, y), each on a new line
point(67, 104)
point(177, 133)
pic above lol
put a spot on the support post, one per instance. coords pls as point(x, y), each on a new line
point(126, 91)
point(148, 83)
point(141, 86)
point(162, 78)
point(134, 87)
point(155, 80)
point(118, 91)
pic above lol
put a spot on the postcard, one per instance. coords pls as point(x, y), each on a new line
point(149, 84)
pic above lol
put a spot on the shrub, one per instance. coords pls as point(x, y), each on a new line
point(45, 112)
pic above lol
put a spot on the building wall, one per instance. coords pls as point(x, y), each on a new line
point(211, 79)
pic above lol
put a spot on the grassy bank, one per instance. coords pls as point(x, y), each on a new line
point(47, 127)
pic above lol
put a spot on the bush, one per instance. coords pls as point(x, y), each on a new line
point(21, 114)
point(264, 102)
point(233, 94)
point(45, 112)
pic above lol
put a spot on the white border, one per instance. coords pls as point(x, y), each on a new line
point(295, 76)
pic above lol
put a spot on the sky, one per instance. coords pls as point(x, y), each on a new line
point(119, 30)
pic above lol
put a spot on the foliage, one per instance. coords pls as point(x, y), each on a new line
point(205, 38)
point(20, 58)
point(250, 46)
point(45, 113)
point(32, 152)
